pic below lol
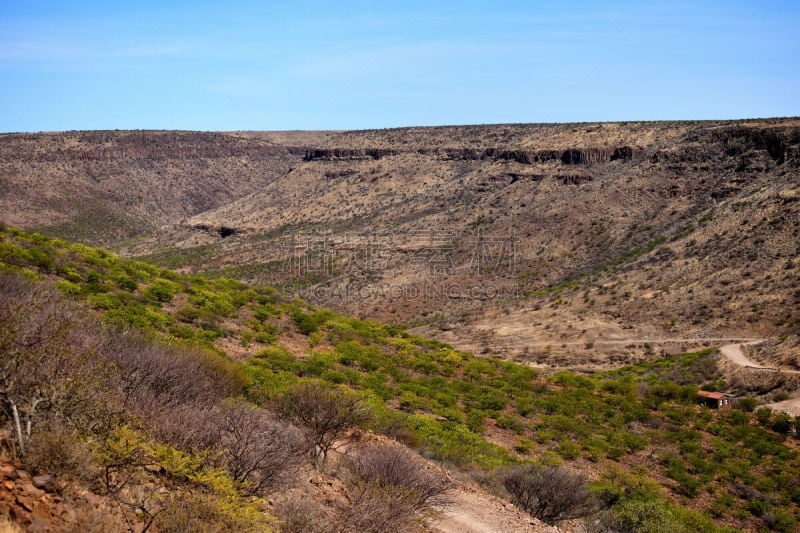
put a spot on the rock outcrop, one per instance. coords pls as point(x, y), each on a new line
point(583, 156)
point(574, 179)
point(223, 231)
point(338, 154)
point(572, 156)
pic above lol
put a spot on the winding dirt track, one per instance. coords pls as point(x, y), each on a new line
point(622, 342)
point(734, 353)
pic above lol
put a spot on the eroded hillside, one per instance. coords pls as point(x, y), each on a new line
point(107, 187)
point(551, 243)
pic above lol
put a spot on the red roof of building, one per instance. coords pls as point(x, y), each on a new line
point(715, 395)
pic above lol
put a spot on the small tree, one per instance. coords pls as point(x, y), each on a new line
point(49, 365)
point(328, 413)
point(550, 493)
point(260, 452)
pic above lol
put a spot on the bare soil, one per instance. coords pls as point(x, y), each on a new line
point(475, 511)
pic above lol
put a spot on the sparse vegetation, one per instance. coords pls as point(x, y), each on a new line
point(424, 393)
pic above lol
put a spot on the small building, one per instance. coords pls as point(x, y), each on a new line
point(714, 400)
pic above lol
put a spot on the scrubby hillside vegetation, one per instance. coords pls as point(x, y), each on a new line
point(188, 403)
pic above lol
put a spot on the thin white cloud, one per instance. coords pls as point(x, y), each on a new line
point(154, 50)
point(32, 51)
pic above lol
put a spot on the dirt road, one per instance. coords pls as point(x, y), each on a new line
point(513, 343)
point(475, 511)
point(735, 353)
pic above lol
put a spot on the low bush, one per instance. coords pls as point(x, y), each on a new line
point(204, 513)
point(550, 493)
point(59, 452)
point(389, 489)
point(302, 515)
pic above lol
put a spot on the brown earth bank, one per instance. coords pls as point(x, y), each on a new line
point(542, 242)
point(38, 504)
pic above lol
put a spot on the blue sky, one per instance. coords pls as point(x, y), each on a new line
point(344, 65)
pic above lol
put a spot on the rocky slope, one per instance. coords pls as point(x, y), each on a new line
point(106, 187)
point(523, 238)
point(36, 504)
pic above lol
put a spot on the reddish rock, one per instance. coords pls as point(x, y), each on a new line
point(19, 516)
point(25, 503)
point(29, 490)
point(40, 524)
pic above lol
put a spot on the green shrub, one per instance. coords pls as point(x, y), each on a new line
point(777, 519)
point(492, 401)
point(307, 323)
point(687, 485)
point(448, 441)
point(162, 290)
point(745, 404)
point(721, 505)
point(764, 416)
point(737, 418)
point(266, 311)
point(525, 405)
point(569, 450)
point(409, 402)
point(511, 422)
point(781, 423)
point(642, 517)
point(631, 441)
point(524, 446)
point(475, 422)
point(126, 283)
point(334, 376)
point(104, 301)
point(68, 288)
point(570, 379)
point(189, 314)
point(277, 358)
